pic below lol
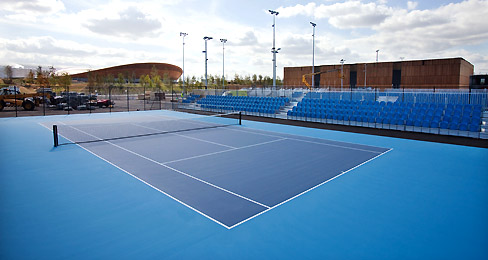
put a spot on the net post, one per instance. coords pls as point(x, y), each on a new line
point(55, 134)
point(240, 117)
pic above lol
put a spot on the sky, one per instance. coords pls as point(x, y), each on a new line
point(94, 34)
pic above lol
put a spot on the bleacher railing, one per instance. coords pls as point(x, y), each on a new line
point(438, 96)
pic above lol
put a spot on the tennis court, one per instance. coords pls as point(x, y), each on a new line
point(190, 186)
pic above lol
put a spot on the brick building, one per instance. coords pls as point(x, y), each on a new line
point(437, 73)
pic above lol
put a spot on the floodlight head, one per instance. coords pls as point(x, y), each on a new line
point(223, 40)
point(183, 34)
point(273, 12)
point(313, 24)
point(207, 38)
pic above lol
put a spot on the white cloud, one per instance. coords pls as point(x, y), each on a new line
point(412, 5)
point(129, 23)
point(452, 25)
point(35, 7)
point(61, 53)
point(113, 32)
point(410, 33)
point(298, 9)
point(249, 39)
point(349, 14)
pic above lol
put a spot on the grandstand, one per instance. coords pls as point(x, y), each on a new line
point(454, 113)
point(250, 105)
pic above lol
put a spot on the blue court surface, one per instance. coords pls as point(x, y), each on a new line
point(250, 191)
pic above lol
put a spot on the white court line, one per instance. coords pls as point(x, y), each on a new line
point(268, 208)
point(310, 189)
point(306, 141)
point(148, 184)
point(224, 151)
point(173, 169)
point(189, 137)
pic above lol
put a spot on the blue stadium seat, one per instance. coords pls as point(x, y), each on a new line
point(474, 127)
point(463, 127)
point(454, 126)
point(434, 124)
point(444, 125)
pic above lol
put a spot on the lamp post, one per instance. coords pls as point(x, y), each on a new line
point(182, 34)
point(377, 55)
point(223, 63)
point(342, 72)
point(206, 38)
point(313, 54)
point(274, 50)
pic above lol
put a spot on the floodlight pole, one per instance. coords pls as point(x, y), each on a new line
point(223, 64)
point(313, 54)
point(365, 72)
point(342, 72)
point(274, 50)
point(206, 38)
point(182, 34)
point(377, 55)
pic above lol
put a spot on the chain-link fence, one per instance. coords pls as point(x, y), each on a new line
point(138, 98)
point(85, 100)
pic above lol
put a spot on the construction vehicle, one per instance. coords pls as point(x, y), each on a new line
point(11, 97)
point(304, 77)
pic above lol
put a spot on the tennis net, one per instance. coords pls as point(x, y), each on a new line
point(107, 130)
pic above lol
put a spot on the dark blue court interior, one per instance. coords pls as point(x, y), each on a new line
point(258, 190)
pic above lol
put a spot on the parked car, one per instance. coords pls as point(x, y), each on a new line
point(105, 103)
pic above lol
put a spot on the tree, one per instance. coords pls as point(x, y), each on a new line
point(30, 77)
point(237, 79)
point(278, 81)
point(267, 81)
point(51, 76)
point(247, 80)
point(155, 81)
point(120, 80)
point(167, 82)
point(212, 80)
point(145, 82)
point(91, 79)
point(100, 81)
point(193, 82)
point(65, 80)
point(110, 79)
point(9, 72)
point(42, 77)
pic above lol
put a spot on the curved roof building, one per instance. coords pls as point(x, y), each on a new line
point(135, 70)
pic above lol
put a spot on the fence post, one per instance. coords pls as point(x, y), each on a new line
point(67, 93)
point(403, 94)
point(110, 97)
point(15, 100)
point(43, 101)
